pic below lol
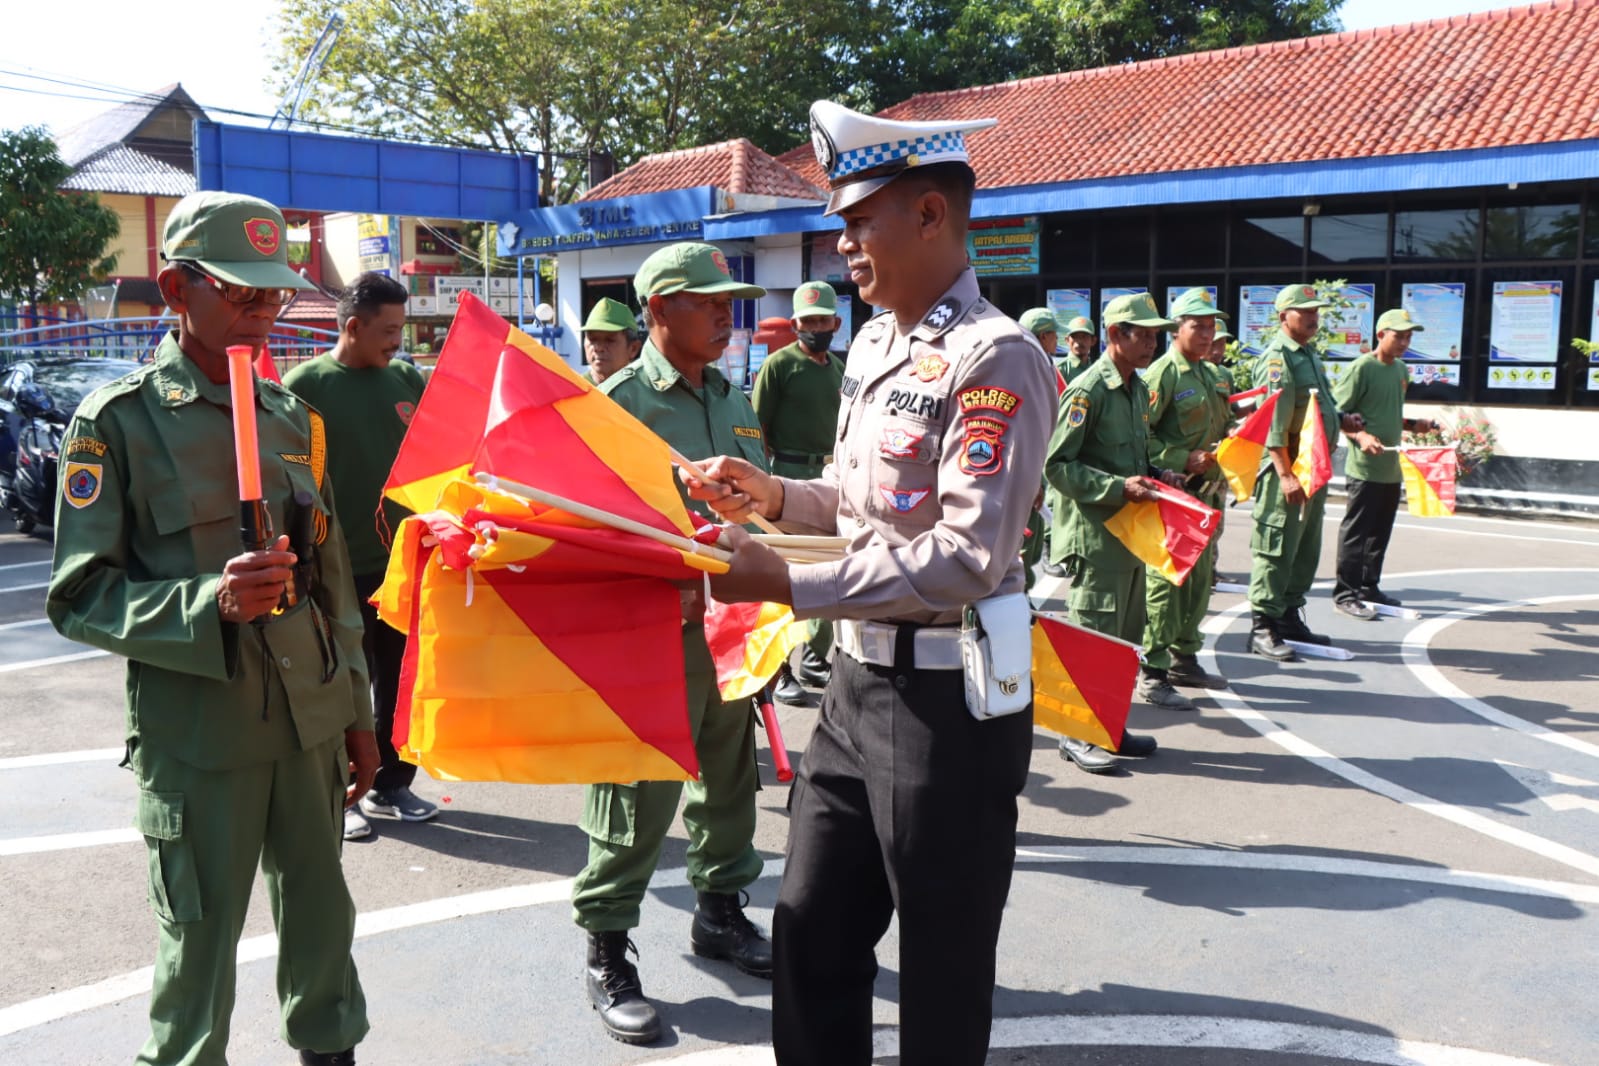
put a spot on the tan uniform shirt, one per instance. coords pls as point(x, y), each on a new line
point(941, 441)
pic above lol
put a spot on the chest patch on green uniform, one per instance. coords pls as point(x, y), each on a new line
point(747, 431)
point(299, 460)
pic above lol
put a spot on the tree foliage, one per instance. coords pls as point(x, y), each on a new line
point(52, 242)
point(568, 77)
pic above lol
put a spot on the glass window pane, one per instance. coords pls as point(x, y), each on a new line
point(1268, 241)
point(1124, 242)
point(1592, 238)
point(1349, 238)
point(1541, 231)
point(1192, 240)
point(1432, 236)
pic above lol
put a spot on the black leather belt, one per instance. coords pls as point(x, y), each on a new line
point(807, 458)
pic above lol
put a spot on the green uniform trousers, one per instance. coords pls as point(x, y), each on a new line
point(1109, 601)
point(627, 824)
point(818, 631)
point(1033, 547)
point(206, 831)
point(1177, 611)
point(1286, 547)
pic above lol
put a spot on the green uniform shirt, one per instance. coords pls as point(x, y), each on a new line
point(1296, 369)
point(714, 420)
point(797, 401)
point(1101, 439)
point(1187, 413)
point(1376, 391)
point(1224, 380)
point(367, 412)
point(1071, 367)
point(148, 516)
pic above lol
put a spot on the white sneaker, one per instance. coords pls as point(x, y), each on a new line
point(355, 824)
point(399, 803)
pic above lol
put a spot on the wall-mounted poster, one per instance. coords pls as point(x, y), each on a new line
point(1521, 377)
point(846, 309)
point(1434, 374)
point(1105, 297)
point(826, 263)
point(1334, 371)
point(1440, 309)
point(1350, 328)
point(1257, 313)
point(999, 246)
point(1593, 377)
point(1174, 291)
point(1525, 327)
point(1067, 304)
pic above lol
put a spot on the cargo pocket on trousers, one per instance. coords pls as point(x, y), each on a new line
point(608, 813)
point(174, 880)
point(1267, 540)
point(1091, 601)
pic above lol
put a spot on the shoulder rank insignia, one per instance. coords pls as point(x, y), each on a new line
point(1077, 411)
point(942, 314)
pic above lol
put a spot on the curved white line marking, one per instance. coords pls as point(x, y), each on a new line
point(58, 758)
point(67, 841)
point(1414, 654)
point(1239, 708)
point(54, 660)
point(19, 566)
point(1172, 1031)
point(24, 588)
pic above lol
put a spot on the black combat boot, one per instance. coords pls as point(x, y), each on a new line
point(615, 991)
point(1292, 627)
point(721, 931)
point(1186, 672)
point(1265, 640)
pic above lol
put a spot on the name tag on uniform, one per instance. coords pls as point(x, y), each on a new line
point(849, 387)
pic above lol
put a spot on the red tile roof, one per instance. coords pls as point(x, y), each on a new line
point(733, 166)
point(1509, 77)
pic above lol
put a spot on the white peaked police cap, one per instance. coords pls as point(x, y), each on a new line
point(863, 153)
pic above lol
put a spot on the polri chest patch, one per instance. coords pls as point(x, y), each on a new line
point(914, 403)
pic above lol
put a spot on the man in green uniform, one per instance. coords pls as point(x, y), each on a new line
point(796, 397)
point(1041, 323)
point(1098, 461)
point(1374, 388)
point(243, 722)
point(673, 388)
point(610, 338)
point(367, 397)
point(1286, 541)
point(1081, 340)
point(1187, 417)
point(1218, 359)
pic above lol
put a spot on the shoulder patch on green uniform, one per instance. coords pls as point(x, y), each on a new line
point(1077, 410)
point(81, 484)
point(86, 445)
point(1274, 371)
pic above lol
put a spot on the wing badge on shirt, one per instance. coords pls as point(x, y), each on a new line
point(903, 501)
point(900, 443)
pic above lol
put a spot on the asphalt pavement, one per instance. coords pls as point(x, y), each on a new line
point(1391, 859)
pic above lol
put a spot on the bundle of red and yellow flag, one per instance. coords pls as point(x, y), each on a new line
point(1239, 456)
point(1167, 534)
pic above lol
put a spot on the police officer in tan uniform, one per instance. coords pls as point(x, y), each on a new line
point(905, 802)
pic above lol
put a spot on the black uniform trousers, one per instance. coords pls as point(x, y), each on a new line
point(1363, 536)
point(385, 651)
point(904, 802)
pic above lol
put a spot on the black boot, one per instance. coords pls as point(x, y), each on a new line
point(1292, 627)
point(327, 1058)
point(721, 931)
point(615, 991)
point(1265, 640)
point(812, 670)
point(1186, 672)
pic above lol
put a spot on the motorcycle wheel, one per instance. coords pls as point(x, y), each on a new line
point(25, 525)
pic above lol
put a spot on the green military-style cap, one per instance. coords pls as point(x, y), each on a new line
point(1039, 321)
point(233, 238)
point(815, 298)
point(690, 267)
point(1399, 320)
point(1196, 303)
point(1299, 298)
point(1137, 310)
point(610, 316)
point(1080, 325)
point(1222, 334)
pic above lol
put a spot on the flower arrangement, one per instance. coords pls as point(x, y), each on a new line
point(1473, 436)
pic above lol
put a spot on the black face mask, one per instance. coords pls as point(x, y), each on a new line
point(816, 342)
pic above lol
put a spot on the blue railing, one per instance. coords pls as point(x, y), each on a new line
point(136, 339)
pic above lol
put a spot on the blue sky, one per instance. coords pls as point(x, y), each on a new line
point(135, 49)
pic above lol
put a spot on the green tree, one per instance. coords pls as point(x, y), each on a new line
point(52, 242)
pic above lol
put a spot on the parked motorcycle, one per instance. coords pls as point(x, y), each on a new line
point(28, 489)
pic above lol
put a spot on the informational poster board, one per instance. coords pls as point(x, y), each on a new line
point(846, 312)
point(1335, 370)
point(826, 263)
point(1351, 327)
point(1174, 291)
point(1593, 326)
point(1593, 377)
point(1434, 374)
point(1257, 313)
point(1440, 308)
point(1105, 297)
point(757, 357)
point(1512, 376)
point(1003, 246)
point(1067, 304)
point(1525, 324)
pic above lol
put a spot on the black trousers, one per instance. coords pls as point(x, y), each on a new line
point(905, 803)
point(385, 649)
point(1363, 536)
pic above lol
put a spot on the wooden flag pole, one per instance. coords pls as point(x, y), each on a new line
point(595, 514)
point(694, 471)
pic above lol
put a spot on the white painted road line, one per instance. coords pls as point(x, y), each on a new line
point(19, 566)
point(24, 625)
point(67, 841)
point(1171, 1031)
point(61, 758)
point(24, 588)
point(1414, 654)
point(54, 660)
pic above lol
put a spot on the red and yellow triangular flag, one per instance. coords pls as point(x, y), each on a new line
point(1082, 682)
point(1239, 455)
point(749, 643)
point(1168, 534)
point(1313, 464)
point(1430, 475)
